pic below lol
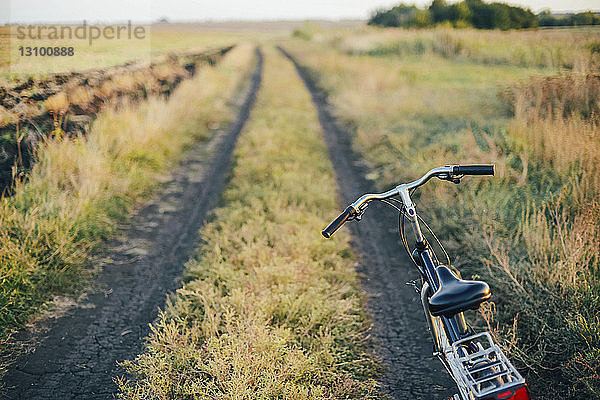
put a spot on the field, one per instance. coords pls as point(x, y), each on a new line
point(158, 42)
point(266, 307)
point(418, 99)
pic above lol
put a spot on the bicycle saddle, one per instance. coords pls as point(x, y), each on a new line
point(455, 295)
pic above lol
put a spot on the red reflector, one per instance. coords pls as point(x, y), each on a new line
point(521, 394)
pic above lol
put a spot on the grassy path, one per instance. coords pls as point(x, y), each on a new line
point(269, 309)
point(401, 339)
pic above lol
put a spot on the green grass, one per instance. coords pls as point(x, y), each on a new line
point(531, 231)
point(78, 189)
point(553, 49)
point(269, 309)
point(404, 111)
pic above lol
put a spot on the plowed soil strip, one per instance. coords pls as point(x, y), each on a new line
point(399, 327)
point(77, 358)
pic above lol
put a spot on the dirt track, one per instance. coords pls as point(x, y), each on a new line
point(76, 358)
point(400, 334)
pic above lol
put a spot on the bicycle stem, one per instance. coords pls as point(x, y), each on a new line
point(409, 207)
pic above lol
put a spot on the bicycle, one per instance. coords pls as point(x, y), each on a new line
point(477, 365)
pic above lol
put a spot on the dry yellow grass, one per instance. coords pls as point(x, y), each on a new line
point(549, 49)
point(565, 145)
point(7, 117)
point(57, 104)
point(79, 188)
point(107, 89)
point(532, 232)
point(124, 83)
point(81, 96)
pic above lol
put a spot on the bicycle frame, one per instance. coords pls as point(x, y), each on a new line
point(477, 365)
point(455, 344)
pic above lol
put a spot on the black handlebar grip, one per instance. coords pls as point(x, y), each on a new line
point(487, 169)
point(338, 222)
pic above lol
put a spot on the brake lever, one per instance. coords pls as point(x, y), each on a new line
point(450, 178)
point(358, 215)
point(360, 212)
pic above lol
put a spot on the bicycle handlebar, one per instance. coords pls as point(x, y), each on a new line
point(338, 222)
point(449, 172)
point(474, 169)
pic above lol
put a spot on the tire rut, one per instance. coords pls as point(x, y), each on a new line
point(77, 356)
point(401, 339)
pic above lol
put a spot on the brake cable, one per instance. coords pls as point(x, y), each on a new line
point(437, 240)
point(397, 205)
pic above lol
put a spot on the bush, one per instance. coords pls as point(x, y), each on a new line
point(545, 18)
point(465, 13)
point(398, 16)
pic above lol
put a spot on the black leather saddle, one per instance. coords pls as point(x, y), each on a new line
point(455, 295)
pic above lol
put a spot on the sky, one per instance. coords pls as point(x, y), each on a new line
point(223, 10)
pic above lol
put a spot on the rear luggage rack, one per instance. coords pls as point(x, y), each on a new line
point(481, 368)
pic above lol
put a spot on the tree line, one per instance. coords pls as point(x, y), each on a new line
point(476, 13)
